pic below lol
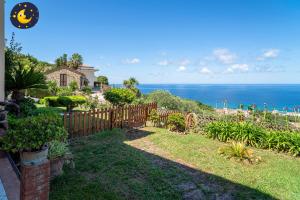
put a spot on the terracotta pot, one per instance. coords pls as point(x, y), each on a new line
point(34, 157)
point(56, 167)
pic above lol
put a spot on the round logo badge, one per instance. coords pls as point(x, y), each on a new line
point(24, 15)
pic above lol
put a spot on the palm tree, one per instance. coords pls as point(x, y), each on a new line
point(130, 83)
point(75, 61)
point(62, 60)
point(22, 77)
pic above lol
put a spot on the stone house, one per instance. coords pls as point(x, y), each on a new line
point(65, 75)
point(84, 75)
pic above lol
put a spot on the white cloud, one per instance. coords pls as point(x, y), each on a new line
point(270, 53)
point(164, 63)
point(131, 61)
point(205, 70)
point(224, 56)
point(237, 68)
point(181, 68)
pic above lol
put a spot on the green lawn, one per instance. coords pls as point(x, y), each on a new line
point(58, 109)
point(156, 164)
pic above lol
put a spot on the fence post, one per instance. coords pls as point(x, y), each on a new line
point(111, 113)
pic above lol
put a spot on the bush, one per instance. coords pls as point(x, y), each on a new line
point(64, 91)
point(168, 101)
point(154, 117)
point(27, 106)
point(52, 87)
point(73, 86)
point(65, 101)
point(32, 133)
point(119, 96)
point(176, 122)
point(253, 135)
point(57, 149)
point(87, 90)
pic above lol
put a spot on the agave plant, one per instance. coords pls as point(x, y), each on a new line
point(22, 77)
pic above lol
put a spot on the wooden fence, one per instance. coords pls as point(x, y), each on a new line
point(85, 123)
point(163, 117)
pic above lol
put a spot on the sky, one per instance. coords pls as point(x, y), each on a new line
point(170, 41)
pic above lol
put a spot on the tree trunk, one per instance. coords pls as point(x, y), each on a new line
point(18, 96)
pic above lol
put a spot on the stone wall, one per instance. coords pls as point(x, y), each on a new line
point(71, 76)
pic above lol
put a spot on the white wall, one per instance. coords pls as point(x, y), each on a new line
point(90, 75)
point(2, 67)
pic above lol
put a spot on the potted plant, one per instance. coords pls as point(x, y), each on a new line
point(30, 136)
point(56, 155)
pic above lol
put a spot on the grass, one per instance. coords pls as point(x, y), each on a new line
point(153, 163)
point(278, 174)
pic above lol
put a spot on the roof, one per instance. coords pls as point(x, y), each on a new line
point(67, 68)
point(87, 67)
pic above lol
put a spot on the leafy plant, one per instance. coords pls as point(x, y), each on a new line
point(73, 86)
point(32, 133)
point(154, 117)
point(27, 106)
point(57, 149)
point(52, 87)
point(64, 91)
point(87, 90)
point(176, 122)
point(22, 77)
point(254, 135)
point(239, 151)
point(119, 96)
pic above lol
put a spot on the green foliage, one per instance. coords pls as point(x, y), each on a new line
point(102, 80)
point(73, 86)
point(75, 61)
point(119, 96)
point(22, 77)
point(65, 101)
point(239, 151)
point(64, 91)
point(57, 149)
point(154, 117)
point(53, 87)
point(130, 83)
point(87, 90)
point(176, 122)
point(27, 106)
point(32, 133)
point(254, 135)
point(166, 100)
point(62, 61)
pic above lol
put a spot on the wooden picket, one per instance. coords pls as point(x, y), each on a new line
point(85, 123)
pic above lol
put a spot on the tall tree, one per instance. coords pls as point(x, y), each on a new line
point(62, 61)
point(130, 83)
point(75, 61)
point(103, 80)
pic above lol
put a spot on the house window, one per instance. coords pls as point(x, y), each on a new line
point(63, 79)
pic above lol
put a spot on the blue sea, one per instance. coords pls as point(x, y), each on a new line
point(273, 96)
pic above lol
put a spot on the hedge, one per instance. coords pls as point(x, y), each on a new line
point(64, 101)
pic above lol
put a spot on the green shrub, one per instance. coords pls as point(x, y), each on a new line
point(87, 90)
point(57, 149)
point(64, 91)
point(176, 122)
point(154, 117)
point(27, 106)
point(52, 87)
point(168, 101)
point(73, 86)
point(119, 96)
point(64, 101)
point(254, 135)
point(32, 133)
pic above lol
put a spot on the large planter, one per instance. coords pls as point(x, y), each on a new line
point(34, 157)
point(56, 166)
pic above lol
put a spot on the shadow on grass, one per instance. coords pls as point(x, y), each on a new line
point(108, 168)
